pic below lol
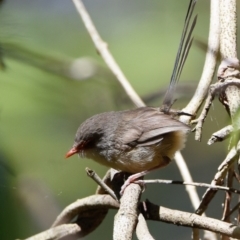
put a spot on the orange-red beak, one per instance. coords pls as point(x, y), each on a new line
point(71, 152)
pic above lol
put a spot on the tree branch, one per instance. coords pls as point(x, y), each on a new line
point(88, 212)
point(142, 231)
point(218, 178)
point(92, 174)
point(180, 218)
point(196, 184)
point(209, 65)
point(126, 218)
point(102, 49)
point(59, 232)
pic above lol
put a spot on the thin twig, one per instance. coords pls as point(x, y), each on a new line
point(191, 190)
point(92, 174)
point(102, 48)
point(218, 179)
point(213, 90)
point(237, 176)
point(221, 135)
point(196, 184)
point(231, 212)
point(186, 176)
point(202, 117)
point(228, 195)
point(195, 234)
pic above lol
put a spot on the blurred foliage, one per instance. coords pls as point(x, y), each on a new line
point(42, 103)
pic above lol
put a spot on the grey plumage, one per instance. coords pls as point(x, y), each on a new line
point(132, 140)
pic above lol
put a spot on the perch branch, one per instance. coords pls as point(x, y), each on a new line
point(196, 184)
point(126, 218)
point(150, 211)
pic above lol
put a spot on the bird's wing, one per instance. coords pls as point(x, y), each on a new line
point(147, 127)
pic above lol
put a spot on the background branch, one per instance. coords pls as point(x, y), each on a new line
point(209, 65)
point(228, 47)
point(102, 49)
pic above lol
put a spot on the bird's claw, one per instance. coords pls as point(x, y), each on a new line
point(129, 181)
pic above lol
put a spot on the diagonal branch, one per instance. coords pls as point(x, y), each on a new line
point(218, 178)
point(59, 232)
point(102, 48)
point(84, 204)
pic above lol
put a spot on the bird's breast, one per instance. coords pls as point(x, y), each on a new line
point(138, 158)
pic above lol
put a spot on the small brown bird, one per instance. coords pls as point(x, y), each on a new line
point(133, 141)
point(140, 140)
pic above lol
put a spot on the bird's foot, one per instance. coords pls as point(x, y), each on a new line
point(132, 179)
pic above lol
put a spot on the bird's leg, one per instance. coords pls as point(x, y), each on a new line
point(136, 176)
point(133, 178)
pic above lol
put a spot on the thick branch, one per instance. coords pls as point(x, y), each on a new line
point(59, 232)
point(126, 219)
point(150, 212)
point(88, 212)
point(180, 218)
point(228, 47)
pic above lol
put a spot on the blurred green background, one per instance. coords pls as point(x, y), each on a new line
point(46, 49)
